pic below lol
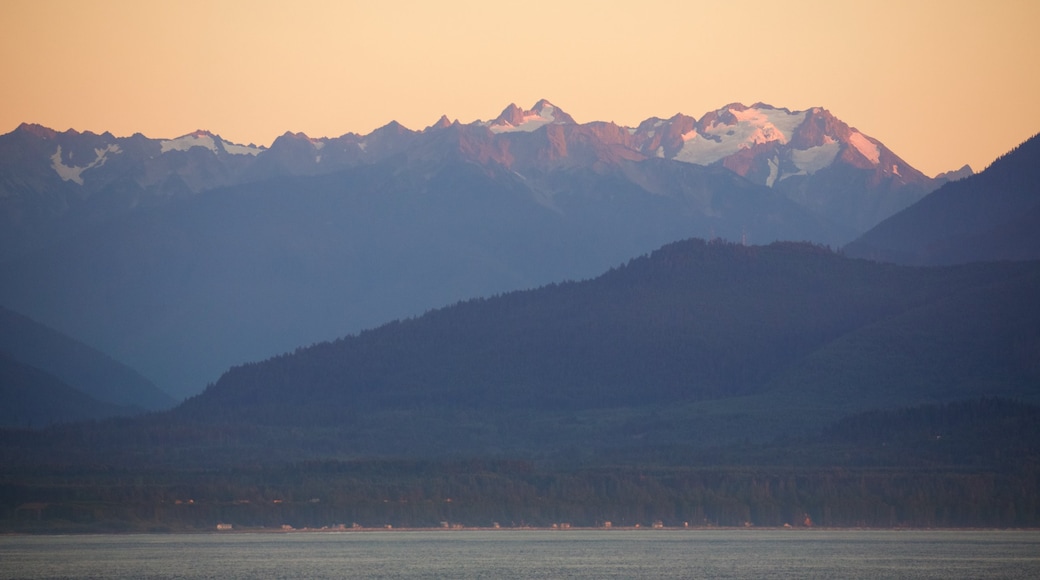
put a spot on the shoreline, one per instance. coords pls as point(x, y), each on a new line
point(463, 529)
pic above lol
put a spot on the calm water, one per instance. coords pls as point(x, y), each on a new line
point(530, 554)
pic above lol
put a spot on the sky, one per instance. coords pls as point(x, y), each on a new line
point(941, 83)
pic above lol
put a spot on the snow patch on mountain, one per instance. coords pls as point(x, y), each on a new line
point(773, 124)
point(865, 147)
point(774, 170)
point(188, 141)
point(206, 141)
point(701, 151)
point(74, 173)
point(234, 149)
point(752, 126)
point(813, 159)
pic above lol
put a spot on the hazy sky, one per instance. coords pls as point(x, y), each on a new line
point(942, 83)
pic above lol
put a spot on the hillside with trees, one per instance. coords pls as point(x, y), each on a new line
point(695, 325)
point(695, 345)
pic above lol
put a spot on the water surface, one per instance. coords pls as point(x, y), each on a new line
point(530, 554)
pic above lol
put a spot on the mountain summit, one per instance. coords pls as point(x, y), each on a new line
point(513, 118)
point(811, 156)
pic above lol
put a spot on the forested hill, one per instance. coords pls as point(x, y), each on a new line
point(695, 343)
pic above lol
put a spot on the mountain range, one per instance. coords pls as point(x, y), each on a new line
point(574, 361)
point(185, 256)
point(54, 183)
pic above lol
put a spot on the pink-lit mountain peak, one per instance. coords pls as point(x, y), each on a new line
point(514, 119)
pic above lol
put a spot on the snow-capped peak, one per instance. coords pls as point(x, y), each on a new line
point(735, 127)
point(767, 144)
point(514, 119)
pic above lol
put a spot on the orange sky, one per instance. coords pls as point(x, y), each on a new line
point(942, 83)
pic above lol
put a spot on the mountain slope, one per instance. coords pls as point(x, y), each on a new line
point(33, 398)
point(993, 215)
point(77, 366)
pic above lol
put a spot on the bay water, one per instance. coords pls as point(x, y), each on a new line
point(851, 554)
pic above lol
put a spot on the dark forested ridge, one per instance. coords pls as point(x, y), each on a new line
point(696, 345)
point(694, 323)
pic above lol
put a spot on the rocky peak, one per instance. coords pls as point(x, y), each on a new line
point(36, 130)
point(391, 128)
point(514, 119)
point(947, 176)
point(441, 123)
point(511, 115)
point(819, 128)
